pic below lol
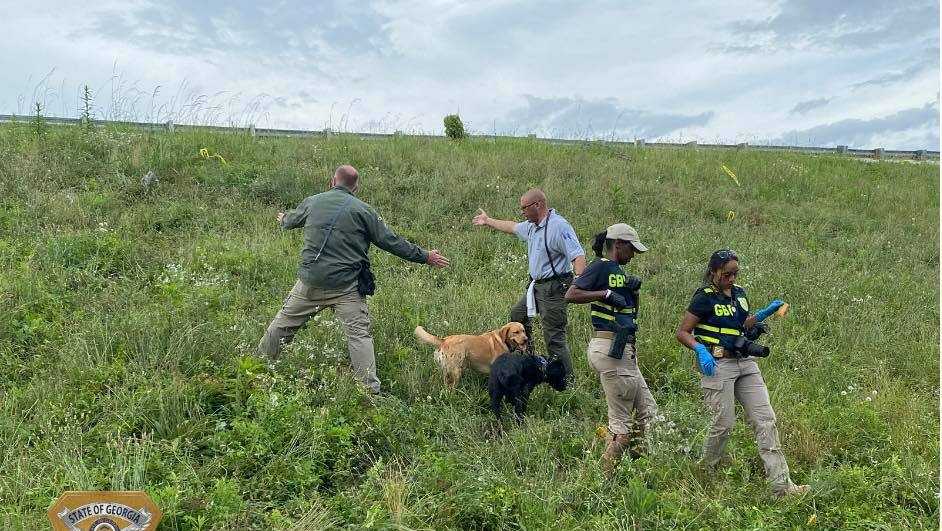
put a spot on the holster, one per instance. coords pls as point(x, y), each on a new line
point(366, 283)
point(623, 336)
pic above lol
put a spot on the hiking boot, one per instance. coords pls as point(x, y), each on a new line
point(613, 452)
point(724, 462)
point(706, 472)
point(381, 396)
point(793, 490)
point(372, 398)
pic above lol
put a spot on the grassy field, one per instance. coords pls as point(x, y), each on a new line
point(128, 320)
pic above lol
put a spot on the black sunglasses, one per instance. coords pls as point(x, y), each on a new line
point(524, 207)
point(725, 255)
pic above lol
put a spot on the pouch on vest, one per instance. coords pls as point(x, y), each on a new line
point(366, 283)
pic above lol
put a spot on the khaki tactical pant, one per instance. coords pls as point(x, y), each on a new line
point(631, 407)
point(304, 302)
point(740, 379)
point(551, 307)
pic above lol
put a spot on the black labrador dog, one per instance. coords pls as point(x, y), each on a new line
point(515, 374)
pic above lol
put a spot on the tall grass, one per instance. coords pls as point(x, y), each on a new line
point(130, 316)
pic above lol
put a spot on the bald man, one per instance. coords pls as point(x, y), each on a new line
point(334, 269)
point(553, 252)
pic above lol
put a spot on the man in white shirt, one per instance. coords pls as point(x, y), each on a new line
point(554, 253)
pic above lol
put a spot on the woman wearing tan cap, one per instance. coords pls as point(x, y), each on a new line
point(613, 295)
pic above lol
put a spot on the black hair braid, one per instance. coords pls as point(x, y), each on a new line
point(598, 244)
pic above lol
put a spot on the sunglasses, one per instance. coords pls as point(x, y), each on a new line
point(524, 207)
point(725, 255)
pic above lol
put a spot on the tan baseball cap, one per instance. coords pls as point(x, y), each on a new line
point(623, 231)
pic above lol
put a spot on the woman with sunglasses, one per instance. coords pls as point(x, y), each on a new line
point(717, 316)
point(613, 296)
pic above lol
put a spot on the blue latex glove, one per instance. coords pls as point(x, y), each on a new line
point(764, 313)
point(704, 359)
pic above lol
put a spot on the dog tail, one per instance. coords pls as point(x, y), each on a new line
point(425, 337)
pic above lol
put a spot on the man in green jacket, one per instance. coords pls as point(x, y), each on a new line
point(338, 231)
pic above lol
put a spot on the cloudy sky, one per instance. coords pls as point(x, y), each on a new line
point(862, 73)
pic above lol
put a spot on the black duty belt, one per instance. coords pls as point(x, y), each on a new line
point(563, 277)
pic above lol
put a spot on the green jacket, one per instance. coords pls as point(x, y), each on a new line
point(347, 248)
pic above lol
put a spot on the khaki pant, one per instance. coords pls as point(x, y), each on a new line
point(551, 306)
point(304, 302)
point(740, 380)
point(631, 407)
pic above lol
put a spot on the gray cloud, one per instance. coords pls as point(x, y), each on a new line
point(865, 24)
point(892, 78)
point(926, 61)
point(579, 118)
point(921, 122)
point(297, 34)
point(294, 101)
point(804, 106)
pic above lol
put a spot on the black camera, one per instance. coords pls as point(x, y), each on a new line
point(745, 345)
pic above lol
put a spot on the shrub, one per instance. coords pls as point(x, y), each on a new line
point(454, 129)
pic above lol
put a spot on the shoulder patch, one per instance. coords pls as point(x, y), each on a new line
point(743, 303)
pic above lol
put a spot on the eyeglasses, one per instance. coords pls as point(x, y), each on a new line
point(524, 207)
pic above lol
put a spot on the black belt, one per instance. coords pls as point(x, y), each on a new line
point(607, 334)
point(566, 276)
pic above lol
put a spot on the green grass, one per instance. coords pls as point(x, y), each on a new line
point(129, 319)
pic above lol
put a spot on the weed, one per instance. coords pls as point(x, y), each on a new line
point(40, 127)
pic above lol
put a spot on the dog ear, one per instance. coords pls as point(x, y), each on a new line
point(504, 334)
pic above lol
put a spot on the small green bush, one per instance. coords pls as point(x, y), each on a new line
point(454, 129)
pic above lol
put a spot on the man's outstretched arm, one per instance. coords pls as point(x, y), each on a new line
point(504, 226)
point(293, 218)
point(389, 241)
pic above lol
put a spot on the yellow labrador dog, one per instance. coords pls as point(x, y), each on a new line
point(457, 352)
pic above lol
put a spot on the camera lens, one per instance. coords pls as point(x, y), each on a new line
point(744, 348)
